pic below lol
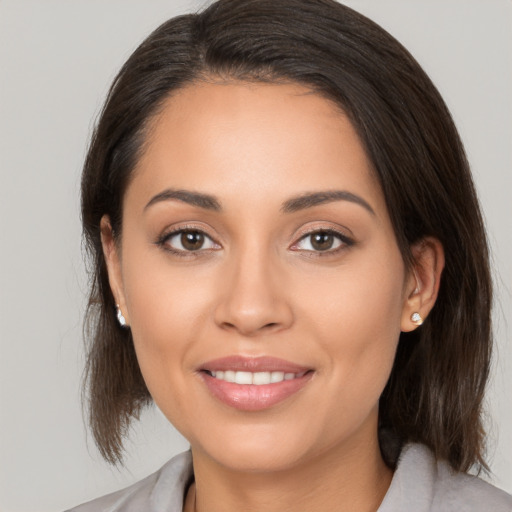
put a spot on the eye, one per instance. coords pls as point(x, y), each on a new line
point(187, 240)
point(324, 240)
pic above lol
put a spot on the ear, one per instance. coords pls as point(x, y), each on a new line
point(422, 284)
point(113, 262)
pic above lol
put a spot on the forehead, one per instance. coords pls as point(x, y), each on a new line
point(252, 141)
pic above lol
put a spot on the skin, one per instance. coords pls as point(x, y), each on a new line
point(258, 287)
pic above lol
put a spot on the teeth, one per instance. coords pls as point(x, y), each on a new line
point(257, 378)
point(277, 376)
point(229, 376)
point(243, 377)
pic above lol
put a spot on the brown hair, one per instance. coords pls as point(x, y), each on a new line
point(435, 391)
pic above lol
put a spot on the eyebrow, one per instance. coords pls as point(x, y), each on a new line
point(302, 202)
point(204, 201)
point(317, 198)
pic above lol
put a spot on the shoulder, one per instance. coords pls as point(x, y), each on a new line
point(462, 492)
point(423, 484)
point(163, 490)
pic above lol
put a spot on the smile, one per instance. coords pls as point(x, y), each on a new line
point(255, 378)
point(253, 384)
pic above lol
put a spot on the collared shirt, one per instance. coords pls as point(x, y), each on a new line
point(420, 484)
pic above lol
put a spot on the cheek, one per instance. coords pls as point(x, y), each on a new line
point(356, 319)
point(168, 309)
point(162, 296)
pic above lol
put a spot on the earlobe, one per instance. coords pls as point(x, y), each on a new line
point(113, 262)
point(423, 282)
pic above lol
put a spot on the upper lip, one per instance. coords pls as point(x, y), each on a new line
point(253, 364)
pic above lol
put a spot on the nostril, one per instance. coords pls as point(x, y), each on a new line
point(249, 316)
point(251, 330)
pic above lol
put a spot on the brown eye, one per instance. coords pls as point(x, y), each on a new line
point(192, 240)
point(187, 240)
point(322, 241)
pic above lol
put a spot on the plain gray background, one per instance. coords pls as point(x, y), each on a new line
point(57, 58)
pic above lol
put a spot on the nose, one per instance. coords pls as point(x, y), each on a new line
point(253, 300)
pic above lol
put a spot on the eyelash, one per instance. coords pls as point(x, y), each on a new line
point(345, 242)
point(163, 241)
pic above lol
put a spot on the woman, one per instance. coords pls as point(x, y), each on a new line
point(291, 262)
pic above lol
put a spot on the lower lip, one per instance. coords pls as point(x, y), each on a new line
point(251, 397)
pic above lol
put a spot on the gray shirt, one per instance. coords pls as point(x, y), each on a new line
point(420, 484)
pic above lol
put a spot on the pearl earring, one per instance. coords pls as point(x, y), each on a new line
point(416, 318)
point(120, 318)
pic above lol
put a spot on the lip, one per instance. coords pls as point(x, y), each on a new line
point(253, 364)
point(250, 397)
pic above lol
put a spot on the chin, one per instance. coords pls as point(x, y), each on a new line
point(258, 448)
point(254, 458)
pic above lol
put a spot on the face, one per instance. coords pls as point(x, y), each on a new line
point(260, 276)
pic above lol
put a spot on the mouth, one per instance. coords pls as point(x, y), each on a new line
point(253, 384)
point(254, 378)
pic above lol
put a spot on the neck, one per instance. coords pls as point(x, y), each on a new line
point(340, 479)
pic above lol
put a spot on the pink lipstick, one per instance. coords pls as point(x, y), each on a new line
point(253, 383)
